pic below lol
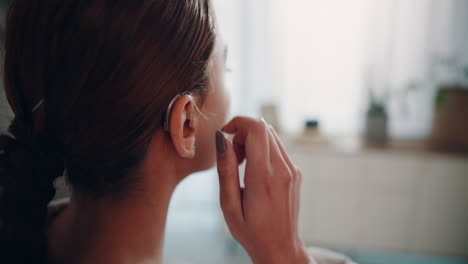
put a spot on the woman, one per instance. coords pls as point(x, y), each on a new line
point(126, 97)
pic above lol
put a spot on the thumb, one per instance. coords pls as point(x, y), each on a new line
point(230, 190)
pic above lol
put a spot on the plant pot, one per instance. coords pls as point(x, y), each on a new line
point(450, 123)
point(376, 133)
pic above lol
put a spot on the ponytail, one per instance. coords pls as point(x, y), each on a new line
point(29, 163)
point(27, 172)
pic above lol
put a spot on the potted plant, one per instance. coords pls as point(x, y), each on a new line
point(376, 123)
point(450, 123)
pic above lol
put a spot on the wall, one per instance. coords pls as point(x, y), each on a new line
point(314, 58)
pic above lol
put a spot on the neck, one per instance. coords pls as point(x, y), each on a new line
point(126, 229)
point(131, 229)
point(119, 228)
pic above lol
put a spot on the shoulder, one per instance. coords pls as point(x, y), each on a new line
point(325, 256)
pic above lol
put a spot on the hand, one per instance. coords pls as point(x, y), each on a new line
point(263, 216)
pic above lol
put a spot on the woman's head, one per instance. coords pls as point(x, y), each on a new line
point(107, 71)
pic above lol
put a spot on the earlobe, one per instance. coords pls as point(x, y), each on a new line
point(183, 125)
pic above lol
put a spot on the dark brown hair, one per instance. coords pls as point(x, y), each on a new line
point(106, 71)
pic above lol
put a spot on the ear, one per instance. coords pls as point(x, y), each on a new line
point(182, 126)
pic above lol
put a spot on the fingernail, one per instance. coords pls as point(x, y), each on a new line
point(220, 143)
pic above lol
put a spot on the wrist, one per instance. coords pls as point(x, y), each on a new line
point(298, 256)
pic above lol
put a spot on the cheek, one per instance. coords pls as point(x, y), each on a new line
point(216, 108)
point(205, 156)
point(206, 151)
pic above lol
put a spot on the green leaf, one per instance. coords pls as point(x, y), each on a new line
point(442, 98)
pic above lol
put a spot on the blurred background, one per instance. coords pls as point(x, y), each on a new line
point(371, 100)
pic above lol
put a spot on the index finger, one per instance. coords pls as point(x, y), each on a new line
point(253, 134)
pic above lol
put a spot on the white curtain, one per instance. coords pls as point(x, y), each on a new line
point(248, 28)
point(317, 59)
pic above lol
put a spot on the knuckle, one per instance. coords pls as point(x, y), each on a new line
point(272, 129)
point(296, 171)
point(298, 174)
point(260, 127)
point(287, 181)
point(299, 178)
point(287, 176)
